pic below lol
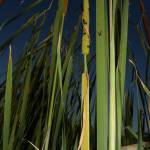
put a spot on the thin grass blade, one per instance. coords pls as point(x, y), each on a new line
point(7, 105)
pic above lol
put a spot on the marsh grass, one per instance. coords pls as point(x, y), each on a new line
point(38, 86)
point(46, 104)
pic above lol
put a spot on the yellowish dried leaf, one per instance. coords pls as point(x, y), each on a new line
point(84, 143)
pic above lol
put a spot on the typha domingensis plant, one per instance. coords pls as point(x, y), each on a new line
point(110, 71)
point(84, 143)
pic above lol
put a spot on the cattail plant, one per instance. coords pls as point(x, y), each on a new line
point(102, 73)
point(84, 143)
point(43, 106)
point(110, 68)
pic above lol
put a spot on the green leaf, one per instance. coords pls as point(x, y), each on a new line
point(7, 105)
point(121, 69)
point(65, 93)
point(132, 132)
point(102, 74)
point(26, 92)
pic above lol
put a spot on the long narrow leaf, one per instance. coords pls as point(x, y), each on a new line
point(7, 105)
point(102, 74)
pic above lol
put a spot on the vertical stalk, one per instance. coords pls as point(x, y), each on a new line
point(112, 111)
point(121, 69)
point(102, 62)
point(85, 134)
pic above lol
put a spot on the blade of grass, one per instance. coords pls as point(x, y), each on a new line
point(140, 141)
point(56, 60)
point(25, 96)
point(13, 131)
point(50, 116)
point(35, 147)
point(76, 144)
point(53, 66)
point(145, 88)
point(73, 40)
point(7, 105)
point(63, 146)
point(65, 93)
point(121, 70)
point(132, 132)
point(112, 77)
point(102, 74)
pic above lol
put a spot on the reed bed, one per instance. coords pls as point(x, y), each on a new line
point(51, 97)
